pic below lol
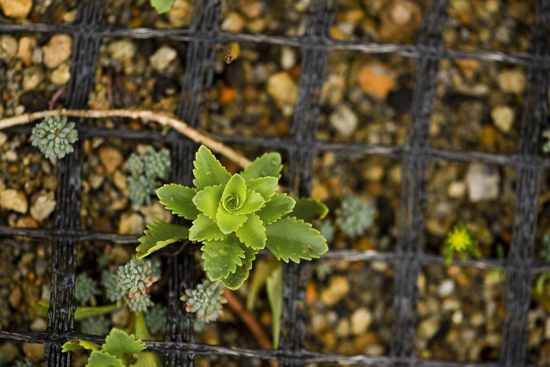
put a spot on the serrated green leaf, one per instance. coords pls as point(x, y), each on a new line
point(258, 281)
point(253, 202)
point(204, 228)
point(208, 170)
point(162, 6)
point(178, 199)
point(291, 238)
point(308, 209)
point(279, 205)
point(268, 164)
point(76, 344)
point(252, 232)
point(274, 287)
point(236, 279)
point(101, 358)
point(160, 234)
point(208, 200)
point(229, 223)
point(222, 257)
point(264, 186)
point(118, 343)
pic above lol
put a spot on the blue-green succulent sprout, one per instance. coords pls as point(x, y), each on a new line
point(205, 301)
point(139, 304)
point(140, 189)
point(85, 289)
point(146, 170)
point(155, 319)
point(235, 216)
point(135, 277)
point(355, 216)
point(96, 325)
point(54, 137)
point(109, 280)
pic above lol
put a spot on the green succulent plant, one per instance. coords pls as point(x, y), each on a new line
point(205, 301)
point(96, 325)
point(460, 240)
point(155, 319)
point(140, 189)
point(139, 304)
point(85, 289)
point(28, 363)
point(146, 169)
point(118, 349)
point(235, 216)
point(54, 137)
point(135, 277)
point(355, 216)
point(109, 280)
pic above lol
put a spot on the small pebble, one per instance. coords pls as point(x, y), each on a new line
point(282, 88)
point(14, 200)
point(122, 50)
point(8, 47)
point(344, 121)
point(16, 9)
point(337, 289)
point(162, 58)
point(503, 117)
point(512, 81)
point(111, 158)
point(360, 321)
point(43, 206)
point(61, 74)
point(131, 223)
point(57, 50)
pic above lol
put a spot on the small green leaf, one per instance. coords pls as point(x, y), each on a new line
point(160, 234)
point(268, 164)
point(264, 186)
point(76, 344)
point(208, 200)
point(274, 287)
point(228, 222)
point(178, 199)
point(208, 170)
point(102, 358)
point(253, 202)
point(81, 312)
point(258, 281)
point(162, 6)
point(204, 228)
point(144, 359)
point(236, 279)
point(252, 232)
point(291, 238)
point(222, 257)
point(279, 205)
point(308, 209)
point(118, 343)
point(86, 312)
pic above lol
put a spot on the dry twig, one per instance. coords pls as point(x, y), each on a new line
point(162, 118)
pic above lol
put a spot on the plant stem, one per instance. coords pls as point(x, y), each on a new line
point(163, 118)
point(250, 321)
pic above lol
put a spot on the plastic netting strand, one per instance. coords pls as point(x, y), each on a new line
point(179, 346)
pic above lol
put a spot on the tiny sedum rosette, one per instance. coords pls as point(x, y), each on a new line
point(54, 137)
point(235, 216)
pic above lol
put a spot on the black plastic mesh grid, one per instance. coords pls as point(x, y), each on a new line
point(179, 347)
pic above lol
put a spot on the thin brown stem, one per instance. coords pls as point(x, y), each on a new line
point(249, 320)
point(56, 96)
point(162, 118)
